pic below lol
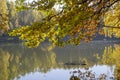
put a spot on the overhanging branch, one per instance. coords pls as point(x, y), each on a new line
point(117, 27)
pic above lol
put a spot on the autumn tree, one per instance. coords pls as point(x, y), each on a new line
point(3, 16)
point(63, 21)
point(112, 21)
point(27, 17)
point(20, 18)
point(12, 14)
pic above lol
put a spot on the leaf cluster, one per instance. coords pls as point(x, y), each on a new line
point(64, 21)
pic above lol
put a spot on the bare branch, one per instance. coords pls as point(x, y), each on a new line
point(55, 15)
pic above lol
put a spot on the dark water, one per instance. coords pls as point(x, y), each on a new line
point(18, 62)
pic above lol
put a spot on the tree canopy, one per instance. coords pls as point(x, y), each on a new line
point(3, 16)
point(67, 21)
point(112, 20)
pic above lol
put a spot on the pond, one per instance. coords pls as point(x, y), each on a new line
point(97, 60)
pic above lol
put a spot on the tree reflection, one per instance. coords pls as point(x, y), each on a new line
point(74, 77)
point(111, 56)
point(86, 75)
point(17, 60)
point(4, 64)
point(21, 62)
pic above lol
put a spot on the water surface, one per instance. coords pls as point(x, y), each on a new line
point(18, 62)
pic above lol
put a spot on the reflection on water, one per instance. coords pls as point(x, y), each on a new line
point(112, 56)
point(20, 63)
point(97, 72)
point(66, 74)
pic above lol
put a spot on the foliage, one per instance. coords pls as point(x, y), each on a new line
point(13, 16)
point(63, 21)
point(3, 17)
point(20, 18)
point(112, 21)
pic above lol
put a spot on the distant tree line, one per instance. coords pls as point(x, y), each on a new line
point(10, 18)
